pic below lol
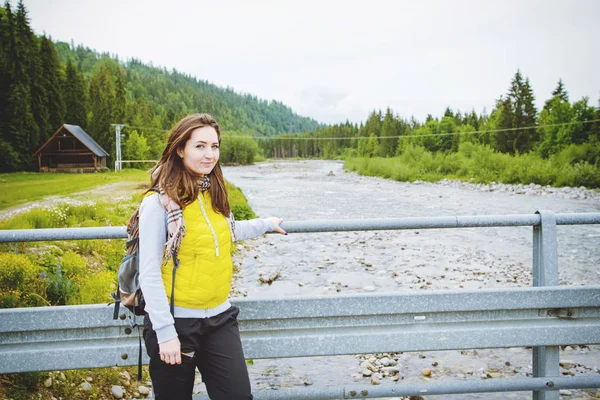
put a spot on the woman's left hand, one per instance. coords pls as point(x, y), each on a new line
point(277, 222)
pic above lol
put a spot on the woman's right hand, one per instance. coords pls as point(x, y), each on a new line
point(170, 351)
point(277, 221)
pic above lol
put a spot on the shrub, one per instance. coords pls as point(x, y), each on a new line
point(577, 153)
point(97, 288)
point(580, 174)
point(21, 284)
point(72, 265)
point(60, 290)
point(242, 212)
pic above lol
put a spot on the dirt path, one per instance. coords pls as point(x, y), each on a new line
point(104, 192)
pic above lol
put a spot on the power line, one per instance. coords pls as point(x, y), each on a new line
point(146, 128)
point(281, 137)
point(419, 136)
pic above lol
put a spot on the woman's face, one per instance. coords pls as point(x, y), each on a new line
point(201, 151)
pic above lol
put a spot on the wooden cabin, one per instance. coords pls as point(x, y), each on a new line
point(70, 149)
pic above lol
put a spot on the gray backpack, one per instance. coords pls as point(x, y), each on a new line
point(129, 293)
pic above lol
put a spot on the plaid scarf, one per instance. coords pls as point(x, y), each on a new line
point(175, 222)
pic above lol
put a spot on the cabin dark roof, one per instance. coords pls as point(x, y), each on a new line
point(86, 140)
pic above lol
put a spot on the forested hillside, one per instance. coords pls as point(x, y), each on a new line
point(45, 84)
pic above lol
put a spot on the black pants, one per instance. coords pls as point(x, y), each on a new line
point(218, 356)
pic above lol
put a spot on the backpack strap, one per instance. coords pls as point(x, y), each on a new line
point(117, 299)
point(175, 266)
point(139, 374)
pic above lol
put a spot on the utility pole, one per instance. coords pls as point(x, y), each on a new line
point(118, 164)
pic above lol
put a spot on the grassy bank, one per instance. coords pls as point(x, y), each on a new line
point(22, 187)
point(481, 164)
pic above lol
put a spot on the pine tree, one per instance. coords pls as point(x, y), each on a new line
point(75, 96)
point(387, 145)
point(52, 81)
point(595, 131)
point(501, 120)
point(373, 125)
point(119, 109)
point(28, 53)
point(531, 136)
point(448, 113)
point(21, 125)
point(6, 65)
point(102, 100)
point(20, 131)
point(447, 142)
point(560, 91)
point(517, 110)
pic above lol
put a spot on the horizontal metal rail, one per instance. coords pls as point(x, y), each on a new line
point(435, 388)
point(543, 317)
point(72, 337)
point(340, 225)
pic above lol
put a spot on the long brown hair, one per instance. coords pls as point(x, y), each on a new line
point(177, 181)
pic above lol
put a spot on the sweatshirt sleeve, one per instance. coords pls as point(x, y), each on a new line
point(251, 228)
point(153, 233)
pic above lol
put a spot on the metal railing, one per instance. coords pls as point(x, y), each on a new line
point(543, 317)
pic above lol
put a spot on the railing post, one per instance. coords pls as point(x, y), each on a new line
point(545, 273)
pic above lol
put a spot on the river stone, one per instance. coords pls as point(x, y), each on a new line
point(86, 386)
point(385, 361)
point(48, 382)
point(367, 372)
point(391, 370)
point(567, 364)
point(143, 390)
point(117, 392)
point(375, 381)
point(369, 288)
point(426, 372)
point(564, 392)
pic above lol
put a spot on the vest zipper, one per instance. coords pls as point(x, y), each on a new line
point(209, 225)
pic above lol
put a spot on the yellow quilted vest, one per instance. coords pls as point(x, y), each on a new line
point(203, 279)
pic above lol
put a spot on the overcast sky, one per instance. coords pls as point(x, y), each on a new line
point(338, 60)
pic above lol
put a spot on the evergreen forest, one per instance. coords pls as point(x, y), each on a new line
point(44, 84)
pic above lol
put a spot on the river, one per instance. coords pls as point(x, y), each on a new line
point(401, 261)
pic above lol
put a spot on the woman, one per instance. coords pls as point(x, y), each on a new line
point(190, 322)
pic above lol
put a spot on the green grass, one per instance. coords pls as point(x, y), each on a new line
point(479, 164)
point(22, 187)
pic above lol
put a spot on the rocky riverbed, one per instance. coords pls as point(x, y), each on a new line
point(397, 261)
point(402, 261)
